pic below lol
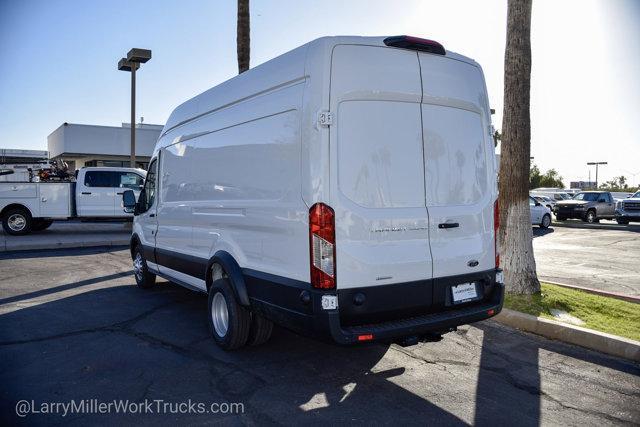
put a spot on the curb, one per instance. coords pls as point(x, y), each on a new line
point(576, 335)
point(63, 245)
point(628, 298)
point(630, 227)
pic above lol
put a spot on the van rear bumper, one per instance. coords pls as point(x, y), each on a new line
point(431, 323)
point(435, 319)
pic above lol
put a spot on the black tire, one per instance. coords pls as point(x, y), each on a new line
point(144, 278)
point(260, 330)
point(17, 221)
point(238, 317)
point(546, 221)
point(622, 221)
point(41, 224)
point(590, 217)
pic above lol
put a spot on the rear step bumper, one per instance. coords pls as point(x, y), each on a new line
point(344, 326)
point(419, 326)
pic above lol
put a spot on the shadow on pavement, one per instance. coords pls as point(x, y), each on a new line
point(125, 343)
point(540, 232)
point(519, 367)
point(57, 252)
point(61, 288)
point(122, 342)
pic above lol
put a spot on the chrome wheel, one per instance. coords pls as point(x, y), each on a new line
point(220, 314)
point(546, 221)
point(138, 266)
point(591, 217)
point(17, 222)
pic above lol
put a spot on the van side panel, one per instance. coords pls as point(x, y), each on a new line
point(233, 180)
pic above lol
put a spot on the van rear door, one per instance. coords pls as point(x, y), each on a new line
point(458, 157)
point(377, 176)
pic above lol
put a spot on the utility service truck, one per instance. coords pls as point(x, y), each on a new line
point(95, 194)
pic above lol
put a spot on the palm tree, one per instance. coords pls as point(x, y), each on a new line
point(515, 237)
point(243, 40)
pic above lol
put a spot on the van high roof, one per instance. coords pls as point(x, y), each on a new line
point(286, 69)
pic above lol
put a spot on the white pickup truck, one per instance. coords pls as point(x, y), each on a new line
point(96, 193)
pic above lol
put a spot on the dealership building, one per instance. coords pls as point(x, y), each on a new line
point(93, 145)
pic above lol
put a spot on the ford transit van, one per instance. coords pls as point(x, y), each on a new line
point(345, 190)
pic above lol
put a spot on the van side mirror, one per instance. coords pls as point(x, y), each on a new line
point(538, 203)
point(129, 201)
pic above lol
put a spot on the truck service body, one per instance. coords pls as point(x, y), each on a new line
point(346, 189)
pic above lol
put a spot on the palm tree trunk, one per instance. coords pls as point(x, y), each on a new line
point(515, 235)
point(243, 40)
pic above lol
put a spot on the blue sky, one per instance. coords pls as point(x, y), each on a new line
point(59, 62)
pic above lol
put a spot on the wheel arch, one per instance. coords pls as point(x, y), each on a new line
point(16, 205)
point(234, 273)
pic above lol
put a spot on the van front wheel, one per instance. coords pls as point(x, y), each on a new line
point(144, 279)
point(229, 322)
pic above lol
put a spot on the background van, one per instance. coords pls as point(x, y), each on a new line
point(346, 189)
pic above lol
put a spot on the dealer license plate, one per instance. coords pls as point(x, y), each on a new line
point(464, 292)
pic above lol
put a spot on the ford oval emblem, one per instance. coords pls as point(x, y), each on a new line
point(473, 263)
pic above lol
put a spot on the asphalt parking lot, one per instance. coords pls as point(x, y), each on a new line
point(73, 326)
point(605, 259)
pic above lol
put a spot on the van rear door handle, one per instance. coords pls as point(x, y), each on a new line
point(152, 215)
point(119, 194)
point(86, 192)
point(448, 225)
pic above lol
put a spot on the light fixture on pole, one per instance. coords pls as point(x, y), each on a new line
point(596, 164)
point(131, 63)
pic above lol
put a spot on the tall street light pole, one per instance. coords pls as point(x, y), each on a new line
point(596, 163)
point(131, 63)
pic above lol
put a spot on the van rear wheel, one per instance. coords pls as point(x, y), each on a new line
point(229, 322)
point(260, 330)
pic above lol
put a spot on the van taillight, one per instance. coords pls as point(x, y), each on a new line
point(322, 242)
point(496, 227)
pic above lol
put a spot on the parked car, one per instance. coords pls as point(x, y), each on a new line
point(345, 189)
point(546, 201)
point(540, 214)
point(96, 193)
point(628, 209)
point(590, 206)
point(553, 193)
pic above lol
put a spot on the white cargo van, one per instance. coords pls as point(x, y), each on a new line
point(95, 194)
point(345, 189)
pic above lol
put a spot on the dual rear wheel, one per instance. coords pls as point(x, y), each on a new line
point(231, 324)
